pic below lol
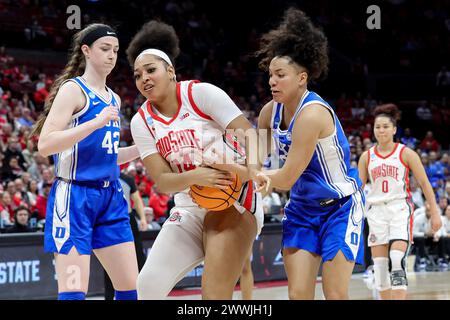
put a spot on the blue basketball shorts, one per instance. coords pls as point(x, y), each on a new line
point(87, 216)
point(326, 230)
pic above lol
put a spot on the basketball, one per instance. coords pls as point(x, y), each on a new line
point(215, 199)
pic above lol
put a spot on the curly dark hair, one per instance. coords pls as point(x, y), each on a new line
point(389, 110)
point(297, 38)
point(157, 35)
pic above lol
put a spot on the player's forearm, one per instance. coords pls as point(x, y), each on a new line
point(127, 154)
point(139, 206)
point(280, 179)
point(59, 141)
point(242, 171)
point(429, 196)
point(175, 182)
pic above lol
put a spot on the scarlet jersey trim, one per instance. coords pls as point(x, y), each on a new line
point(193, 104)
point(401, 157)
point(158, 118)
point(385, 157)
point(141, 112)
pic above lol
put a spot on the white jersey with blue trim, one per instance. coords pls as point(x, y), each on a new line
point(328, 174)
point(95, 157)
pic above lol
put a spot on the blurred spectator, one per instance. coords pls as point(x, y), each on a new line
point(46, 179)
point(272, 203)
point(366, 132)
point(21, 191)
point(25, 119)
point(409, 140)
point(41, 94)
point(423, 112)
point(158, 202)
point(445, 163)
point(34, 31)
point(443, 203)
point(434, 169)
point(32, 193)
point(6, 132)
point(6, 209)
point(21, 218)
point(150, 216)
point(429, 143)
point(14, 150)
point(447, 190)
point(41, 201)
point(26, 178)
point(28, 153)
point(140, 176)
point(344, 107)
point(142, 188)
point(424, 236)
point(358, 111)
point(36, 166)
point(13, 170)
point(443, 81)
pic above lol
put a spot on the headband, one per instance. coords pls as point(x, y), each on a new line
point(157, 53)
point(97, 33)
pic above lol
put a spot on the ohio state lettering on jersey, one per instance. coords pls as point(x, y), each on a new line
point(384, 170)
point(181, 139)
point(174, 141)
point(389, 176)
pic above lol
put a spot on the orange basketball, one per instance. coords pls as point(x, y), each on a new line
point(215, 199)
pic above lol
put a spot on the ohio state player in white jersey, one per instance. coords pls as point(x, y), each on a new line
point(389, 212)
point(171, 130)
point(389, 176)
point(182, 139)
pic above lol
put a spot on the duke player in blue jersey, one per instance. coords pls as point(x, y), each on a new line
point(323, 219)
point(86, 208)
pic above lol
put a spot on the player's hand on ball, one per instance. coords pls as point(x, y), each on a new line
point(263, 182)
point(210, 177)
point(106, 115)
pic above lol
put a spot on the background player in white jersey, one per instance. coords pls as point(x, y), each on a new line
point(324, 217)
point(390, 210)
point(170, 128)
point(86, 209)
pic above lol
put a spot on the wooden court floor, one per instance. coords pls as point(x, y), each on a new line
point(422, 286)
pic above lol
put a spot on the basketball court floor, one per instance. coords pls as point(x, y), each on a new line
point(422, 286)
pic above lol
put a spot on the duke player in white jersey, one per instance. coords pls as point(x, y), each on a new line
point(323, 219)
point(175, 124)
point(390, 210)
point(86, 208)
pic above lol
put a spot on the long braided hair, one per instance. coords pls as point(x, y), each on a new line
point(74, 67)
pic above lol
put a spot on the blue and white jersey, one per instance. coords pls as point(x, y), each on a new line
point(95, 157)
point(328, 175)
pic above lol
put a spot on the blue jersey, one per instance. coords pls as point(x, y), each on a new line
point(95, 157)
point(328, 174)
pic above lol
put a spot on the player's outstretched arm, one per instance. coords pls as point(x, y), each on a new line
point(127, 154)
point(171, 182)
point(306, 132)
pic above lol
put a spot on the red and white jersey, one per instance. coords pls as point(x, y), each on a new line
point(204, 111)
point(389, 175)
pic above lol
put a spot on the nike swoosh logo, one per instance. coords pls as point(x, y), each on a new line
point(95, 103)
point(120, 190)
point(110, 32)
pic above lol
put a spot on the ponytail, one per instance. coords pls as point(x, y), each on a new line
point(75, 67)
